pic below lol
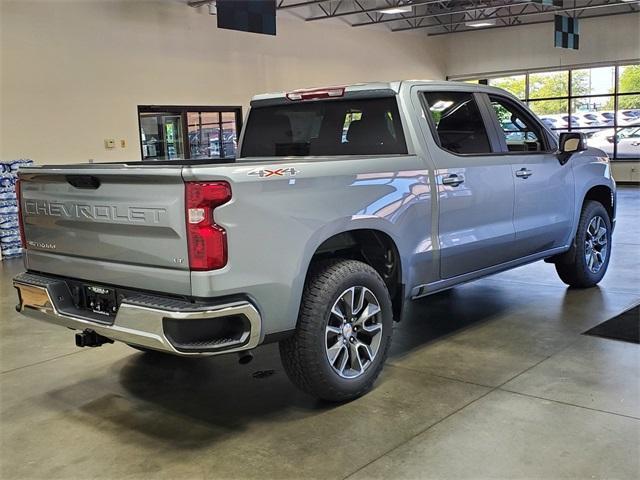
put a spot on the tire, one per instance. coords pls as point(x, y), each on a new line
point(577, 270)
point(307, 355)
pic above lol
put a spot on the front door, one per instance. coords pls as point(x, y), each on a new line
point(544, 188)
point(475, 186)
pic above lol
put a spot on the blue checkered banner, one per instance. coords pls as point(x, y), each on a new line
point(567, 32)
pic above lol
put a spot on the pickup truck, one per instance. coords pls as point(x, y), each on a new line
point(344, 205)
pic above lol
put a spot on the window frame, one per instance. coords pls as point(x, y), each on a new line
point(182, 110)
point(401, 126)
point(485, 115)
point(549, 147)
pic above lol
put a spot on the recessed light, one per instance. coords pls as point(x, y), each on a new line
point(481, 23)
point(393, 10)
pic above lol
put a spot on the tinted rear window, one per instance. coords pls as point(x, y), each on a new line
point(336, 127)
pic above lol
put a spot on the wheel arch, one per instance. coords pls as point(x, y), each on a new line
point(375, 247)
point(603, 194)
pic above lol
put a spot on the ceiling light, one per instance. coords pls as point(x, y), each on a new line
point(481, 23)
point(393, 10)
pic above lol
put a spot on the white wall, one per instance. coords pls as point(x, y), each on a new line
point(73, 72)
point(606, 39)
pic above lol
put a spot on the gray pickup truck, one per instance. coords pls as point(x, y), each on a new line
point(345, 204)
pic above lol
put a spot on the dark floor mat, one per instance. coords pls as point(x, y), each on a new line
point(625, 327)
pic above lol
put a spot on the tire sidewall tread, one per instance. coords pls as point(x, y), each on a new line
point(303, 355)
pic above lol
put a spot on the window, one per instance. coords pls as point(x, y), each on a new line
point(332, 127)
point(521, 133)
point(601, 101)
point(458, 122)
point(188, 133)
point(516, 85)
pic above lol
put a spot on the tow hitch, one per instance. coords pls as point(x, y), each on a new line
point(89, 338)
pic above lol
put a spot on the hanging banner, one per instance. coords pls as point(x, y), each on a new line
point(567, 32)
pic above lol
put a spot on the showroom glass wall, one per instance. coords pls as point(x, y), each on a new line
point(602, 101)
point(188, 133)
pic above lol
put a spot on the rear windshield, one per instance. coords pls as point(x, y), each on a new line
point(335, 127)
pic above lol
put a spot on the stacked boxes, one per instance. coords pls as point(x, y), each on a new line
point(9, 230)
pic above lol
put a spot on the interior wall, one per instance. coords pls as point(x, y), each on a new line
point(606, 39)
point(73, 72)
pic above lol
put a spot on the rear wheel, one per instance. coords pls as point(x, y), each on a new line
point(343, 332)
point(589, 262)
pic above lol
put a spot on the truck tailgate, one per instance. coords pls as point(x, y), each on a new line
point(123, 216)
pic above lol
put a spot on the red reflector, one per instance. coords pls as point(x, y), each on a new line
point(207, 241)
point(329, 92)
point(23, 239)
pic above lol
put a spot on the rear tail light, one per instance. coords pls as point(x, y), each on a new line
point(207, 241)
point(23, 239)
point(329, 92)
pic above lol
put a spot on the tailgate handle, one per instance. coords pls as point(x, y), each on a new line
point(84, 181)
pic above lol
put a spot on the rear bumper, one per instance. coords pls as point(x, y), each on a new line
point(160, 323)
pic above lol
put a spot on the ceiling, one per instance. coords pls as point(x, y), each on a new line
point(438, 17)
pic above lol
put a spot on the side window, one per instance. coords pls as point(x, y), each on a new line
point(458, 122)
point(521, 133)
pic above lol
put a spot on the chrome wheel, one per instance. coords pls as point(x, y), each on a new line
point(354, 332)
point(596, 245)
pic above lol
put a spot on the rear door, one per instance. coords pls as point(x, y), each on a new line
point(475, 186)
point(544, 189)
point(108, 223)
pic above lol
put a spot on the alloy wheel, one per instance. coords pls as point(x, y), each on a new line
point(354, 332)
point(596, 244)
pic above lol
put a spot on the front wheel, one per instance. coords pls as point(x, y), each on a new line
point(589, 263)
point(343, 332)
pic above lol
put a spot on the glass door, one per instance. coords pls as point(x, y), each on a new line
point(185, 133)
point(172, 128)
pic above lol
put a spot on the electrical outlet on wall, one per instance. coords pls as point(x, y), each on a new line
point(109, 143)
point(123, 143)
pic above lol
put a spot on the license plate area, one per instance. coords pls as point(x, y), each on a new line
point(101, 300)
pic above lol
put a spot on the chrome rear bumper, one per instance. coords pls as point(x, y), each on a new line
point(141, 320)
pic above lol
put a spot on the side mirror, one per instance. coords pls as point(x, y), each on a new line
point(570, 143)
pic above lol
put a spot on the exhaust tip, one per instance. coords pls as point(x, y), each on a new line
point(244, 358)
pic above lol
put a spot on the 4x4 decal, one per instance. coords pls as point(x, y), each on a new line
point(279, 172)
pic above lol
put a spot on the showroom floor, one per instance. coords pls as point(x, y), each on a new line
point(491, 379)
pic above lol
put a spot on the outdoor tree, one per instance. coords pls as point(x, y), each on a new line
point(629, 82)
point(515, 85)
point(555, 84)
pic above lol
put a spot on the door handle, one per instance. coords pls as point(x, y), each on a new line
point(453, 180)
point(524, 173)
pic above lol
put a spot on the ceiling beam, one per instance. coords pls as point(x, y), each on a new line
point(598, 15)
point(396, 3)
point(445, 13)
point(529, 14)
point(306, 3)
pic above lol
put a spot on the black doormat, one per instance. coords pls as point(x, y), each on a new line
point(625, 327)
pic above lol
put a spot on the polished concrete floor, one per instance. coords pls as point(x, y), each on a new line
point(492, 379)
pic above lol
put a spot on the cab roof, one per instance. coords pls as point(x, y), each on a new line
point(373, 88)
